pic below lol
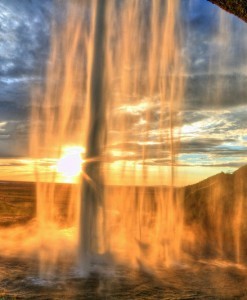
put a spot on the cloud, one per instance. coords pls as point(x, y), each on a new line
point(13, 111)
point(213, 116)
point(207, 137)
point(24, 35)
point(24, 47)
point(215, 91)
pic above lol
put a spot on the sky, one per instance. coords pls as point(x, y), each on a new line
point(213, 135)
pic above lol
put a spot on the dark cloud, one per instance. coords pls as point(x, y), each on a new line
point(215, 92)
point(238, 119)
point(206, 44)
point(13, 111)
point(24, 47)
point(206, 145)
point(192, 116)
point(226, 164)
point(215, 57)
point(24, 35)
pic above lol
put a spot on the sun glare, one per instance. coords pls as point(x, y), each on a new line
point(70, 163)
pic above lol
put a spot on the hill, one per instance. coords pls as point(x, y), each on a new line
point(216, 211)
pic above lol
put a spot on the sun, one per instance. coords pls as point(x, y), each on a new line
point(70, 163)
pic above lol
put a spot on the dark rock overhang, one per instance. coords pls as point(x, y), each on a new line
point(236, 7)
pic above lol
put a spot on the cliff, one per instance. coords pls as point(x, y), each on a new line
point(236, 7)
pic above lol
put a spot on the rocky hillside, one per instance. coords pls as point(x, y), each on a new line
point(216, 211)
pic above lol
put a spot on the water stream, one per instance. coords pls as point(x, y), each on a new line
point(116, 85)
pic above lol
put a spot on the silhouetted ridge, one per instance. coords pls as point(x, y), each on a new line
point(241, 171)
point(215, 210)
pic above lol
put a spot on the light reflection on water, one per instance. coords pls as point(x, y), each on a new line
point(213, 280)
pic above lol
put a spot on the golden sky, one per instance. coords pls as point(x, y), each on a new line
point(117, 173)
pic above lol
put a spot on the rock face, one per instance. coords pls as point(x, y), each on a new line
point(216, 214)
point(236, 7)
